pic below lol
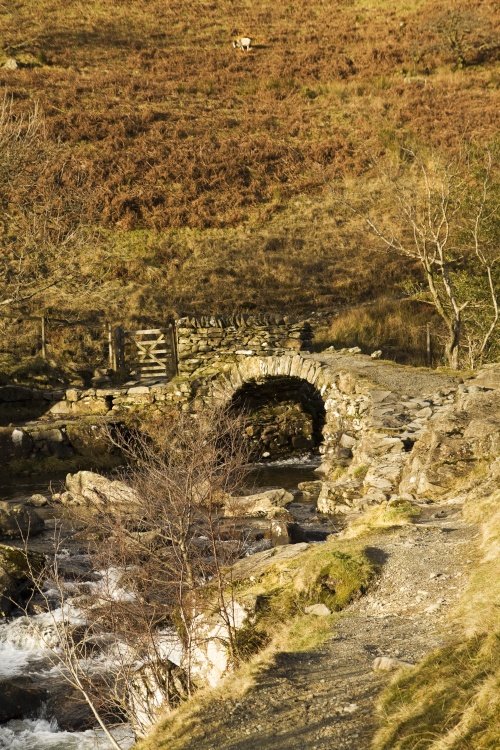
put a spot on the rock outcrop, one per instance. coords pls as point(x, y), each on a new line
point(462, 443)
point(15, 569)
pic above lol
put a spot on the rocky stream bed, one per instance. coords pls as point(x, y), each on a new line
point(37, 709)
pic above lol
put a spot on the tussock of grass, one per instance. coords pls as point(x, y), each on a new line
point(397, 327)
point(381, 517)
point(331, 573)
point(451, 700)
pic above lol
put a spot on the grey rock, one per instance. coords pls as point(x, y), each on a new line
point(269, 504)
point(17, 521)
point(388, 664)
point(37, 501)
point(319, 610)
point(90, 489)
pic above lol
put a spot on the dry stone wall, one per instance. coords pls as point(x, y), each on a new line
point(207, 341)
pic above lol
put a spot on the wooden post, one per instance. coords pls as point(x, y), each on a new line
point(118, 335)
point(175, 349)
point(111, 349)
point(43, 322)
point(428, 345)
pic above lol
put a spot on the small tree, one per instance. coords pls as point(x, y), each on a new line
point(444, 216)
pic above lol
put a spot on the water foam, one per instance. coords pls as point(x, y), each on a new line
point(40, 734)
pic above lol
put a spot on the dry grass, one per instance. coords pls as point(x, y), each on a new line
point(451, 700)
point(212, 173)
point(397, 327)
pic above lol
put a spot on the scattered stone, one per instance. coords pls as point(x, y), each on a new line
point(388, 664)
point(37, 501)
point(350, 708)
point(11, 64)
point(377, 354)
point(319, 610)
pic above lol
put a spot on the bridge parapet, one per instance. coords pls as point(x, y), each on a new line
point(208, 341)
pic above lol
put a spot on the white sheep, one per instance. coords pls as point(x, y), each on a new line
point(243, 43)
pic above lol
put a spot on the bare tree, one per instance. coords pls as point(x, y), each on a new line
point(66, 651)
point(441, 215)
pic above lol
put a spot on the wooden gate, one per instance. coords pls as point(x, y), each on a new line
point(152, 353)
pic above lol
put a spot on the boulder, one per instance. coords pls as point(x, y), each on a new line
point(256, 565)
point(37, 501)
point(338, 497)
point(15, 575)
point(211, 653)
point(89, 440)
point(152, 689)
point(18, 521)
point(310, 490)
point(269, 504)
point(319, 610)
point(21, 697)
point(89, 489)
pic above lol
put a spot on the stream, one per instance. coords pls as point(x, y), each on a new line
point(27, 670)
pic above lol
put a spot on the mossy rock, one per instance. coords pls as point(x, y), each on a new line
point(18, 521)
point(16, 567)
point(89, 440)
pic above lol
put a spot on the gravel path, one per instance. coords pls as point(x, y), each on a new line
point(325, 699)
point(395, 378)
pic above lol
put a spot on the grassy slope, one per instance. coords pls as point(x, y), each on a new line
point(211, 169)
point(451, 700)
point(283, 592)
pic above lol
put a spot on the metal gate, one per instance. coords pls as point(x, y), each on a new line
point(152, 353)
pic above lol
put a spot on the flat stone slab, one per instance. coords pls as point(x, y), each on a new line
point(256, 565)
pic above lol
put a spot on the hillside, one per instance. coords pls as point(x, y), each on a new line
point(209, 168)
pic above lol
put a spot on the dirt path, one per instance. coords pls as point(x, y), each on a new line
point(325, 700)
point(395, 378)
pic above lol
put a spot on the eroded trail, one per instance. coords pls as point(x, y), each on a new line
point(325, 699)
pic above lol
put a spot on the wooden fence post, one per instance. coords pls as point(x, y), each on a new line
point(43, 322)
point(111, 348)
point(118, 337)
point(175, 348)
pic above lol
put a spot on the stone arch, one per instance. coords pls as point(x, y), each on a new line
point(284, 414)
point(338, 390)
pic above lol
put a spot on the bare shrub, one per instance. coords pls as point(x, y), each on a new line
point(163, 559)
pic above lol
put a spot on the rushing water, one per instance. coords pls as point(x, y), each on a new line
point(25, 642)
point(44, 734)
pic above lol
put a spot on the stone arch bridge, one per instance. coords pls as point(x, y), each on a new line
point(365, 414)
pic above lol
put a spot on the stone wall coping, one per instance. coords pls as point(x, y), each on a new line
point(240, 321)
